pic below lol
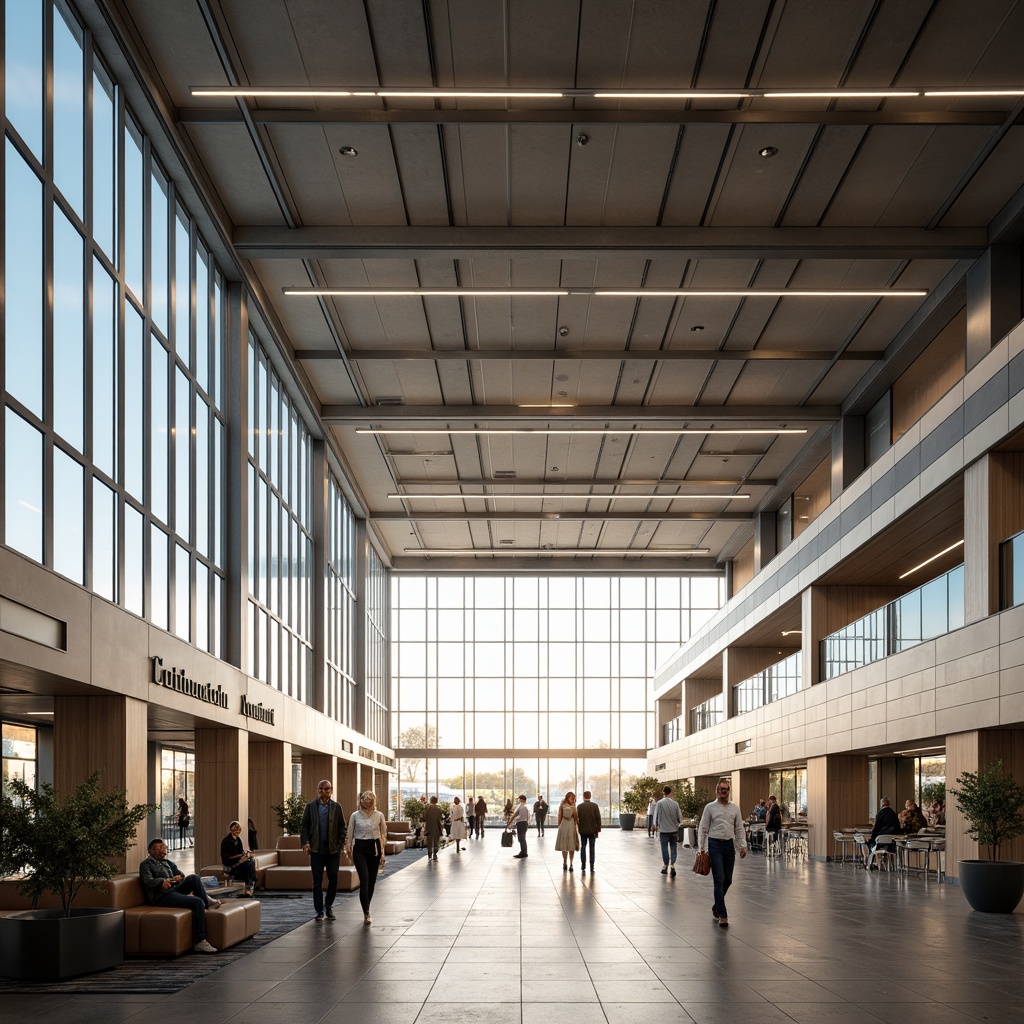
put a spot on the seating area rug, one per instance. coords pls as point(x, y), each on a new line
point(280, 912)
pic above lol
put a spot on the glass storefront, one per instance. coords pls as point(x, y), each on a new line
point(177, 781)
point(21, 753)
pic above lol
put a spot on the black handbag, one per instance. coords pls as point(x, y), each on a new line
point(506, 838)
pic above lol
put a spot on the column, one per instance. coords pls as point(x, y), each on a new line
point(346, 789)
point(847, 452)
point(967, 752)
point(107, 733)
point(315, 767)
point(222, 788)
point(993, 300)
point(270, 781)
point(837, 797)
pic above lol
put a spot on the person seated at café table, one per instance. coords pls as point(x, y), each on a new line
point(911, 818)
point(237, 860)
point(887, 823)
point(937, 813)
point(759, 811)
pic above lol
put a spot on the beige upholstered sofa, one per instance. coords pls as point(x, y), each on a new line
point(287, 867)
point(148, 929)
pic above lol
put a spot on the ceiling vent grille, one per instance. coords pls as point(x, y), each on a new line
point(390, 400)
point(504, 474)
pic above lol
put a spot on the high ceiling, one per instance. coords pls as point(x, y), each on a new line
point(580, 194)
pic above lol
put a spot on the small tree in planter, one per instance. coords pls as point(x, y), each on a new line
point(993, 805)
point(62, 844)
point(691, 801)
point(289, 814)
point(637, 798)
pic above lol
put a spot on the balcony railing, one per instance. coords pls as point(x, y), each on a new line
point(923, 614)
point(770, 684)
point(1011, 566)
point(705, 715)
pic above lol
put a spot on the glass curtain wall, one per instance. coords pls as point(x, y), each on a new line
point(789, 785)
point(114, 343)
point(280, 534)
point(20, 753)
point(509, 685)
point(376, 724)
point(340, 587)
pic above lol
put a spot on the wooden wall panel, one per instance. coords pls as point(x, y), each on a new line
point(221, 788)
point(743, 566)
point(346, 788)
point(837, 793)
point(748, 786)
point(743, 662)
point(316, 768)
point(108, 734)
point(270, 781)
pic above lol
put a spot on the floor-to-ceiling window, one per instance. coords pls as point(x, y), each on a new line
point(527, 684)
point(177, 782)
point(113, 426)
point(20, 753)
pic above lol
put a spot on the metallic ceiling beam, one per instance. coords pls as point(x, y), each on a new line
point(645, 562)
point(560, 517)
point(589, 355)
point(642, 242)
point(406, 415)
point(542, 482)
point(210, 115)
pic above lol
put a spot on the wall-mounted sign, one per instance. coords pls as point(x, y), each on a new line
point(175, 680)
point(257, 711)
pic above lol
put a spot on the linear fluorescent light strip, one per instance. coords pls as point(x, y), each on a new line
point(669, 431)
point(616, 552)
point(639, 293)
point(928, 561)
point(314, 92)
point(599, 497)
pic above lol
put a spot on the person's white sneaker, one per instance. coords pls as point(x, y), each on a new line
point(213, 904)
point(202, 946)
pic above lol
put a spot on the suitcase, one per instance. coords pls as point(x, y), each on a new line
point(506, 838)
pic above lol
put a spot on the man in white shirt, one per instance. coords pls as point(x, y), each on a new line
point(521, 820)
point(669, 818)
point(721, 830)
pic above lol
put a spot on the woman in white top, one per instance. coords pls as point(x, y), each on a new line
point(458, 823)
point(367, 834)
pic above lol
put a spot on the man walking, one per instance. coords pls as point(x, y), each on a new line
point(721, 830)
point(480, 816)
point(322, 833)
point(165, 886)
point(521, 819)
point(668, 818)
point(540, 813)
point(590, 827)
point(432, 822)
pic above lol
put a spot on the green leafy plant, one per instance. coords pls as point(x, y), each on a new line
point(932, 792)
point(639, 795)
point(66, 842)
point(691, 801)
point(993, 805)
point(413, 810)
point(289, 814)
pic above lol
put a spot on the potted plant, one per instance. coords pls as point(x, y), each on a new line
point(414, 815)
point(60, 844)
point(636, 800)
point(993, 805)
point(691, 801)
point(289, 814)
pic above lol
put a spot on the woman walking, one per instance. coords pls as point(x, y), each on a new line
point(184, 820)
point(568, 838)
point(458, 824)
point(364, 843)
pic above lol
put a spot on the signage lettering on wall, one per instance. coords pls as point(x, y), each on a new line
point(175, 680)
point(257, 711)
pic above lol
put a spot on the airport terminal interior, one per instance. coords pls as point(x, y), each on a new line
point(467, 398)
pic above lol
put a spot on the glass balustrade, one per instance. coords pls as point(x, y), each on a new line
point(707, 714)
point(925, 613)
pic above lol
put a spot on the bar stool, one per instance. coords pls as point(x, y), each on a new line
point(840, 841)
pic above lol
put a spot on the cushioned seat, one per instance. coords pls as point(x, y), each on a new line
point(232, 922)
point(292, 869)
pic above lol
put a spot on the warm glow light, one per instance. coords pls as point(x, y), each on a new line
point(614, 552)
point(670, 431)
point(801, 293)
point(269, 93)
point(681, 95)
point(516, 94)
point(928, 561)
point(599, 497)
point(546, 405)
point(790, 632)
point(974, 92)
point(841, 94)
point(467, 292)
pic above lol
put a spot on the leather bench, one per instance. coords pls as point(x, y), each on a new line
point(292, 869)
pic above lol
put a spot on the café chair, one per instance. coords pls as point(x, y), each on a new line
point(840, 841)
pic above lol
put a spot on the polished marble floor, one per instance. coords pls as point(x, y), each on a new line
point(478, 936)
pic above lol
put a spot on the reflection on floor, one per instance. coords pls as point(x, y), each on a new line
point(481, 937)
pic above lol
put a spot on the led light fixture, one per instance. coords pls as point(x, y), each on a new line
point(638, 293)
point(613, 552)
point(928, 561)
point(599, 497)
point(399, 292)
point(669, 431)
point(841, 94)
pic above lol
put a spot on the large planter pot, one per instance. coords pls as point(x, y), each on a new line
point(44, 945)
point(627, 822)
point(993, 887)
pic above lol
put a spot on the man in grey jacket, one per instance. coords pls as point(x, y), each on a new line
point(323, 838)
point(668, 818)
point(590, 827)
point(165, 886)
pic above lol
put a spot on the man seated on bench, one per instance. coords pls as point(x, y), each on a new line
point(165, 886)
